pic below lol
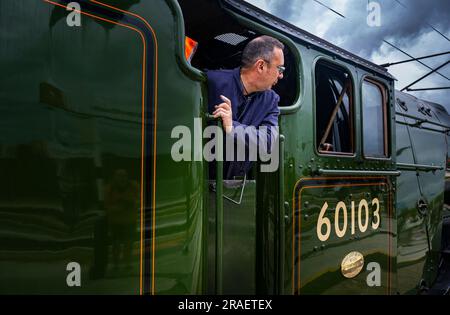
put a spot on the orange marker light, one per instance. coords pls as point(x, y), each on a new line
point(190, 48)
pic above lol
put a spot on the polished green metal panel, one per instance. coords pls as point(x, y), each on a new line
point(180, 188)
point(239, 238)
point(77, 175)
point(412, 239)
point(303, 161)
point(71, 107)
point(351, 228)
point(420, 231)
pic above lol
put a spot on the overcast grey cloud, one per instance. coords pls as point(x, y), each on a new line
point(408, 24)
point(403, 23)
point(287, 9)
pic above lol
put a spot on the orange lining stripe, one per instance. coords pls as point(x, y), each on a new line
point(155, 115)
point(299, 221)
point(143, 106)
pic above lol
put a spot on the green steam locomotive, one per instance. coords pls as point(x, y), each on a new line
point(92, 201)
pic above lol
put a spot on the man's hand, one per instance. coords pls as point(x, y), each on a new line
point(223, 110)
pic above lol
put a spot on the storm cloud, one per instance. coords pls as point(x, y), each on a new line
point(288, 9)
point(412, 25)
point(399, 22)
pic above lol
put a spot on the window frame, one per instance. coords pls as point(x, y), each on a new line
point(338, 66)
point(385, 96)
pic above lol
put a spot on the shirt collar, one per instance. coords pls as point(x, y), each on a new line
point(237, 80)
point(239, 84)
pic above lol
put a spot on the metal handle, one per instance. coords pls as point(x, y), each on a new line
point(281, 218)
point(219, 209)
point(419, 167)
point(241, 194)
point(244, 181)
point(357, 172)
point(219, 213)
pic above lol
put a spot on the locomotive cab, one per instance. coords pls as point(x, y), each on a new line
point(220, 37)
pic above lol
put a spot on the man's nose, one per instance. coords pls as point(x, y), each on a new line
point(280, 76)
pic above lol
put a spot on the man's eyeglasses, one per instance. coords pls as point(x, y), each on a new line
point(281, 69)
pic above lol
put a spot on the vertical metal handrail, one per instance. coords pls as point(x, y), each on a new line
point(282, 229)
point(219, 209)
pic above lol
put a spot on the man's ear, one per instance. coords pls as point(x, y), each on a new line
point(260, 65)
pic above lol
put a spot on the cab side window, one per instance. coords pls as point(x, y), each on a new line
point(334, 110)
point(374, 119)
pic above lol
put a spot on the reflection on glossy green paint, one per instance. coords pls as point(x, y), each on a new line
point(71, 159)
point(239, 260)
point(72, 154)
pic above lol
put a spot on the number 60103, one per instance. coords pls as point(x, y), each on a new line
point(323, 227)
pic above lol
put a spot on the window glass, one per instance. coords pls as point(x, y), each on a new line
point(334, 110)
point(374, 123)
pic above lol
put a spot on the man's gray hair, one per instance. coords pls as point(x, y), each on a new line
point(260, 48)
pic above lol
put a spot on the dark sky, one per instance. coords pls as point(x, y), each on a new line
point(411, 25)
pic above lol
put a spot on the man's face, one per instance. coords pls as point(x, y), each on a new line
point(271, 73)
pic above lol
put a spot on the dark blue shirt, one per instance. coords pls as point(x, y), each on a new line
point(257, 109)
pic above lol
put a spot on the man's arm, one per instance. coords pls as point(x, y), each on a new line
point(265, 133)
point(268, 129)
